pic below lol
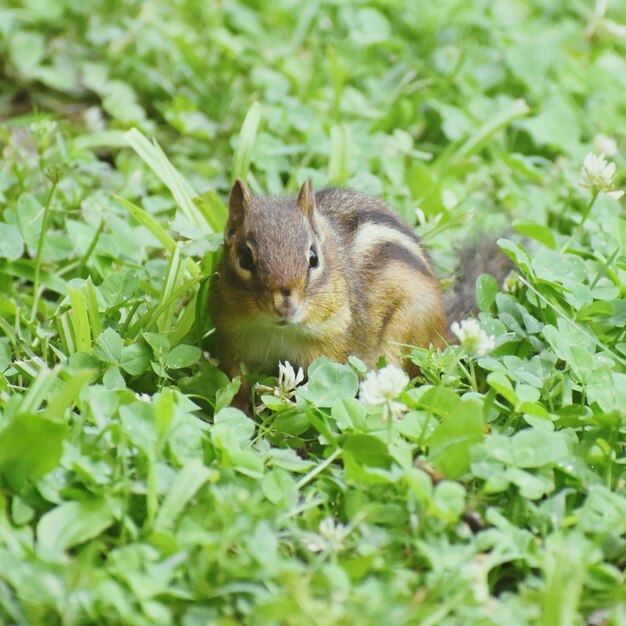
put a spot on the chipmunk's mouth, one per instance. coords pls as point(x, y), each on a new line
point(290, 320)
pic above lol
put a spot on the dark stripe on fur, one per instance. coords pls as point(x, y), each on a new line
point(385, 321)
point(359, 209)
point(351, 221)
point(380, 255)
point(376, 216)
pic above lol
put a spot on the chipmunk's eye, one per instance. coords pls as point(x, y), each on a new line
point(313, 258)
point(245, 258)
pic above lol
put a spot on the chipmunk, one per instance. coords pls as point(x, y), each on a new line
point(332, 273)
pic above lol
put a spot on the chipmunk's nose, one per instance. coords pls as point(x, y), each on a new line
point(285, 302)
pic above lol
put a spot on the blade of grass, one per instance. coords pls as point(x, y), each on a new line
point(182, 192)
point(44, 229)
point(92, 246)
point(172, 281)
point(66, 333)
point(185, 322)
point(154, 157)
point(338, 170)
point(606, 270)
point(213, 210)
point(36, 393)
point(145, 219)
point(14, 336)
point(30, 367)
point(67, 394)
point(80, 319)
point(91, 301)
point(477, 141)
point(148, 320)
point(243, 153)
point(100, 139)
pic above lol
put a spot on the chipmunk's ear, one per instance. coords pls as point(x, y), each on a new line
point(239, 201)
point(306, 199)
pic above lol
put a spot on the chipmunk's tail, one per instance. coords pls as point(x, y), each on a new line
point(483, 256)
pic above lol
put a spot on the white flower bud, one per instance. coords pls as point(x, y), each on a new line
point(597, 174)
point(605, 145)
point(473, 338)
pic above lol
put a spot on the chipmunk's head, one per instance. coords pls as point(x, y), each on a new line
point(274, 252)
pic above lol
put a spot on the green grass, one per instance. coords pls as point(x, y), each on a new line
point(131, 493)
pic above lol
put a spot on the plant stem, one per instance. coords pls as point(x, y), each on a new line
point(94, 242)
point(317, 469)
point(44, 228)
point(579, 227)
point(473, 376)
point(456, 362)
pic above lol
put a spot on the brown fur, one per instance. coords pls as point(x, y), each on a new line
point(475, 259)
point(372, 290)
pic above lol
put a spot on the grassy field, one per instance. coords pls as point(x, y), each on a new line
point(131, 493)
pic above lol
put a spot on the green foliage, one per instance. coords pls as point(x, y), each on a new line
point(132, 492)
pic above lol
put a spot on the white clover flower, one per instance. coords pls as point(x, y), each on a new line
point(382, 388)
point(385, 384)
point(330, 537)
point(511, 283)
point(94, 119)
point(288, 380)
point(597, 174)
point(43, 128)
point(330, 530)
point(605, 145)
point(473, 338)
